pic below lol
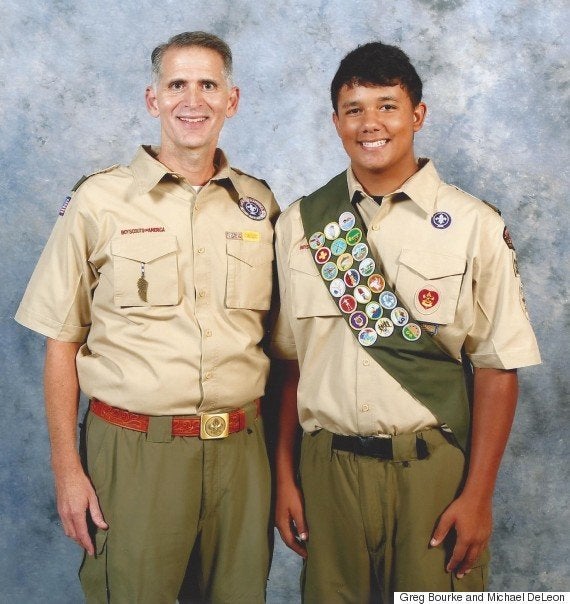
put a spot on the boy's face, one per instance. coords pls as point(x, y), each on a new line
point(376, 125)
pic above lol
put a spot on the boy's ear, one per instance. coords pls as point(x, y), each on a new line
point(419, 116)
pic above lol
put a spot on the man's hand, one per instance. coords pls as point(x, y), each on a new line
point(472, 522)
point(76, 496)
point(290, 519)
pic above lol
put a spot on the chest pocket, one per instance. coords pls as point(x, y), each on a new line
point(250, 274)
point(310, 297)
point(429, 283)
point(158, 254)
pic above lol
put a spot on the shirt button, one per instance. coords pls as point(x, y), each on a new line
point(201, 250)
point(375, 227)
point(366, 362)
point(208, 375)
point(202, 293)
point(364, 408)
point(208, 333)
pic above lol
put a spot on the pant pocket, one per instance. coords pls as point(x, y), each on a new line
point(93, 572)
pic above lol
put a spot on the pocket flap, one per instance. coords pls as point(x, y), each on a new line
point(144, 249)
point(303, 262)
point(253, 253)
point(431, 265)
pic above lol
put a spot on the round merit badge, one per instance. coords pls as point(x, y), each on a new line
point(360, 251)
point(322, 255)
point(412, 332)
point(252, 208)
point(367, 267)
point(384, 327)
point(345, 262)
point(358, 320)
point(332, 231)
point(388, 300)
point(399, 316)
point(376, 283)
point(338, 247)
point(352, 278)
point(347, 303)
point(367, 336)
point(316, 240)
point(362, 294)
point(353, 236)
point(374, 310)
point(329, 271)
point(346, 221)
point(337, 287)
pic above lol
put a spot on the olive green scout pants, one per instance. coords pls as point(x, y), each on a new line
point(161, 497)
point(370, 520)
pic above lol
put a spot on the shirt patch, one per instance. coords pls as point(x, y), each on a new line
point(441, 220)
point(507, 238)
point(244, 235)
point(252, 208)
point(64, 206)
point(157, 229)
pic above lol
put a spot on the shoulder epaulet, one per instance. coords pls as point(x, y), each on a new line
point(242, 173)
point(494, 208)
point(84, 178)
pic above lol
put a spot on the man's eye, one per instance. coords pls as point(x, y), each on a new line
point(177, 85)
point(209, 86)
point(353, 111)
point(388, 107)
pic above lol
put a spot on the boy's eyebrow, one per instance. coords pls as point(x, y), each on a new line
point(381, 99)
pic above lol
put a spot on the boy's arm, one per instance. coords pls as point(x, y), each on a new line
point(74, 492)
point(494, 403)
point(289, 515)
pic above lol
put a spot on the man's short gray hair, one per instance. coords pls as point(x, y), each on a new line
point(201, 39)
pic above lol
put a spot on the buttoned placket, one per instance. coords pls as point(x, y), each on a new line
point(203, 288)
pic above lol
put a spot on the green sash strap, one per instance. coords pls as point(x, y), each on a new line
point(401, 347)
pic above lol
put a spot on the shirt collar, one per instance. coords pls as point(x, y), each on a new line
point(421, 187)
point(148, 171)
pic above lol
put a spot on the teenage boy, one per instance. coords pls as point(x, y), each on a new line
point(388, 278)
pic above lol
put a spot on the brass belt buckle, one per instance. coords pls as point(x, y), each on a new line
point(214, 425)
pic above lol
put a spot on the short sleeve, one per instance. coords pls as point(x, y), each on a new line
point(57, 301)
point(501, 335)
point(282, 338)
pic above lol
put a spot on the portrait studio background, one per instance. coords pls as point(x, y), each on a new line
point(72, 76)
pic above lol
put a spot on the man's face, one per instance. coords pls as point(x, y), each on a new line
point(192, 99)
point(376, 125)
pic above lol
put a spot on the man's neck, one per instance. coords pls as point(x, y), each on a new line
point(197, 167)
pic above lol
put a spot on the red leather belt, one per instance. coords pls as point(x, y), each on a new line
point(206, 425)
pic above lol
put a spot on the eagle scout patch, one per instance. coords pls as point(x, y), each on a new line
point(441, 220)
point(427, 300)
point(252, 208)
point(64, 206)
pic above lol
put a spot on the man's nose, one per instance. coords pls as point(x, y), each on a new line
point(193, 96)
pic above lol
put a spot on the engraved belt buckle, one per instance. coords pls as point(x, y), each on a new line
point(214, 425)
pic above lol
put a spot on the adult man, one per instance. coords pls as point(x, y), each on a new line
point(387, 276)
point(153, 291)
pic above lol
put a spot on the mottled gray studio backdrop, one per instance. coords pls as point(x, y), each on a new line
point(72, 78)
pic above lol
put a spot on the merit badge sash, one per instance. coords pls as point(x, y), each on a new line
point(373, 311)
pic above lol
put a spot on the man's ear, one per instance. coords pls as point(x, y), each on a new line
point(233, 102)
point(151, 101)
point(335, 121)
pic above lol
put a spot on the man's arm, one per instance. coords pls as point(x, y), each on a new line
point(289, 515)
point(494, 402)
point(74, 492)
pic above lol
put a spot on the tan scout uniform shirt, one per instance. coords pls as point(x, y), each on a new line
point(195, 343)
point(468, 264)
